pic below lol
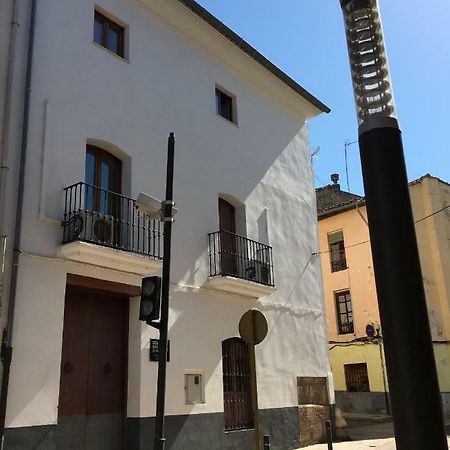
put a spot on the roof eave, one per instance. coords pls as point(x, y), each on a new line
point(253, 53)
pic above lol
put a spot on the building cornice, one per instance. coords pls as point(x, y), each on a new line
point(202, 27)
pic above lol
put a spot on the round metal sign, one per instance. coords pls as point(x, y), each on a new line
point(253, 327)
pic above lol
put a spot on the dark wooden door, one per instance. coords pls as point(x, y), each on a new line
point(92, 398)
point(228, 239)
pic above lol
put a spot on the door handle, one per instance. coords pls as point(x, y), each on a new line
point(68, 368)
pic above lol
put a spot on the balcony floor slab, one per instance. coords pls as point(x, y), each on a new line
point(239, 286)
point(110, 258)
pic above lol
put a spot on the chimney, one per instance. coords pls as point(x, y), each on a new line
point(335, 178)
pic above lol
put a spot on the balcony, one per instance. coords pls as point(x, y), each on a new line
point(240, 265)
point(104, 228)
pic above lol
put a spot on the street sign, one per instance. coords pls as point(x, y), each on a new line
point(253, 327)
point(154, 350)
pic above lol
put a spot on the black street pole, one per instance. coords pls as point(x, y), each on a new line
point(167, 208)
point(414, 389)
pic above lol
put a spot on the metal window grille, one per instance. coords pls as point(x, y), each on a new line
point(236, 385)
point(336, 245)
point(96, 215)
point(239, 257)
point(344, 312)
point(356, 377)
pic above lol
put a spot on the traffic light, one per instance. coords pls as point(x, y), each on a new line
point(150, 299)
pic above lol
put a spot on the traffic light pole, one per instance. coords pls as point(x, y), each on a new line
point(160, 440)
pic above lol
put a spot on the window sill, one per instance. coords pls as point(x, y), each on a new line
point(340, 270)
point(240, 430)
point(121, 58)
point(224, 119)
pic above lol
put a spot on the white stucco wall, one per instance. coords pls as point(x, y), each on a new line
point(82, 93)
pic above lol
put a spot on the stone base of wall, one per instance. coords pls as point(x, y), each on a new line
point(189, 432)
point(42, 438)
point(361, 402)
point(446, 403)
point(373, 402)
point(312, 424)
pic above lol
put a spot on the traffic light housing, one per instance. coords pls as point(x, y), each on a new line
point(150, 299)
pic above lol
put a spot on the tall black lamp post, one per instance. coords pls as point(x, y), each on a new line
point(414, 389)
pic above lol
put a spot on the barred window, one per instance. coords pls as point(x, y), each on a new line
point(344, 311)
point(356, 377)
point(336, 245)
point(236, 385)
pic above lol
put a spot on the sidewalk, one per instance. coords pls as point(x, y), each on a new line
point(383, 444)
point(369, 434)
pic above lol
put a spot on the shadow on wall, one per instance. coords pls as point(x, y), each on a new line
point(196, 346)
point(198, 204)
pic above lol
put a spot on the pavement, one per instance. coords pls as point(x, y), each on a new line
point(370, 434)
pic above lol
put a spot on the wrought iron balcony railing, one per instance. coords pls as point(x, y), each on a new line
point(239, 257)
point(102, 217)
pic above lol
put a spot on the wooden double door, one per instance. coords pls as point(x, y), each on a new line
point(92, 397)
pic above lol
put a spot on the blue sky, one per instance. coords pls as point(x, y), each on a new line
point(305, 38)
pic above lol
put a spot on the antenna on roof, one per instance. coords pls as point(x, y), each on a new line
point(347, 144)
point(315, 153)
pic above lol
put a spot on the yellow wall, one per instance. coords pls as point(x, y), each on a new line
point(358, 278)
point(354, 354)
point(433, 235)
point(442, 355)
point(369, 353)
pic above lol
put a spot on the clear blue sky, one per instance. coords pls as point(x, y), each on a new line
point(305, 38)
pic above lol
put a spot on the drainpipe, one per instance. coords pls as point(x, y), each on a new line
point(6, 349)
point(383, 371)
point(4, 142)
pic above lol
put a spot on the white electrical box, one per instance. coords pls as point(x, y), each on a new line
point(193, 387)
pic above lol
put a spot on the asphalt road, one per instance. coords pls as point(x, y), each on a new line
point(364, 430)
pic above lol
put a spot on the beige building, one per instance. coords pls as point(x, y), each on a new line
point(354, 330)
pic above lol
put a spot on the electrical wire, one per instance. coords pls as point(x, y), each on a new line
point(368, 240)
point(433, 214)
point(319, 180)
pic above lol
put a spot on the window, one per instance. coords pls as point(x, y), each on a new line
point(344, 312)
point(103, 171)
point(237, 394)
point(109, 34)
point(225, 105)
point(337, 251)
point(228, 240)
point(356, 377)
point(103, 207)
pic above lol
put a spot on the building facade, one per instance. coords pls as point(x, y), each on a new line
point(106, 84)
point(354, 330)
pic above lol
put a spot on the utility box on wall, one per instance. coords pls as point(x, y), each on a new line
point(193, 387)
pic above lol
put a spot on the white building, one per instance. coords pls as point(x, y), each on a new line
point(109, 81)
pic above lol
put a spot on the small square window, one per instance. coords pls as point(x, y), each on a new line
point(109, 34)
point(225, 105)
